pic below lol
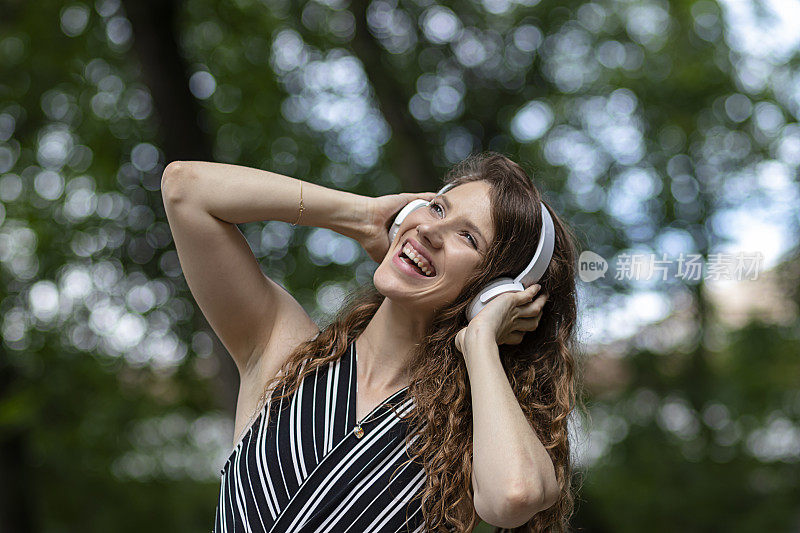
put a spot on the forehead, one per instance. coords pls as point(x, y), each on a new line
point(472, 201)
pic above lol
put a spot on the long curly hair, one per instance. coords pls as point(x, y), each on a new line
point(541, 369)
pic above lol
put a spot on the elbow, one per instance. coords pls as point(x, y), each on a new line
point(536, 500)
point(517, 508)
point(532, 501)
point(508, 514)
point(522, 505)
point(171, 173)
point(174, 169)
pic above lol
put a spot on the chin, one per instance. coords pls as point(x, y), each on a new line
point(387, 283)
point(415, 299)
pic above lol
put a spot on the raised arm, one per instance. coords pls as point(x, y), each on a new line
point(254, 317)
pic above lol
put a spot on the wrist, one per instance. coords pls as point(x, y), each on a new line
point(480, 350)
point(477, 339)
point(349, 217)
point(361, 217)
point(479, 333)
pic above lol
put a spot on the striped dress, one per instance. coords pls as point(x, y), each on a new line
point(312, 468)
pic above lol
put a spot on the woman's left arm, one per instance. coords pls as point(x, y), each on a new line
point(512, 474)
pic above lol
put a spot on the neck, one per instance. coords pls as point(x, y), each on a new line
point(385, 346)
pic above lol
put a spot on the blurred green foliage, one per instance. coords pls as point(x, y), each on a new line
point(652, 126)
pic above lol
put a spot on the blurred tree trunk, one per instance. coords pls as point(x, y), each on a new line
point(155, 28)
point(410, 152)
point(181, 137)
point(16, 490)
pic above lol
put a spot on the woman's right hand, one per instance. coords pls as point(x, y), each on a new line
point(379, 215)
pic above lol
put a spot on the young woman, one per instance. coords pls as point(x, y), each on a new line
point(400, 415)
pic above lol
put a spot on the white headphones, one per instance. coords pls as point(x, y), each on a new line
point(530, 275)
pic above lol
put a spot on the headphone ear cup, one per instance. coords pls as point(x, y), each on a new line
point(410, 206)
point(401, 216)
point(495, 288)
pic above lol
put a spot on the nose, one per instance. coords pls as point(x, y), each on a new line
point(430, 234)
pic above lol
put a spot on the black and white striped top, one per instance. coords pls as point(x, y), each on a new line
point(308, 470)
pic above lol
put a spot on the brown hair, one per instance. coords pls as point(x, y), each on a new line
point(541, 369)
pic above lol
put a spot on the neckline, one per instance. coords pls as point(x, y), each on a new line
point(354, 392)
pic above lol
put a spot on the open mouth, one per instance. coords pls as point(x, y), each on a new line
point(423, 270)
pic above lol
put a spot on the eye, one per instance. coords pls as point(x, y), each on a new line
point(469, 235)
point(474, 242)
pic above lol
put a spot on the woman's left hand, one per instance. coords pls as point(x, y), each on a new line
point(509, 316)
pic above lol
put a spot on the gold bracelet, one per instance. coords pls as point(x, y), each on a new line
point(301, 204)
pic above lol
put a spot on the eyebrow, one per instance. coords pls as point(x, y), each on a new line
point(468, 223)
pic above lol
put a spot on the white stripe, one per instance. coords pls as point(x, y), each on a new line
point(293, 415)
point(301, 456)
point(250, 481)
point(240, 499)
point(235, 472)
point(366, 463)
point(404, 467)
point(399, 502)
point(314, 415)
point(324, 486)
point(230, 503)
point(342, 441)
point(350, 383)
point(333, 394)
point(362, 487)
point(417, 511)
point(261, 462)
point(353, 495)
point(297, 407)
point(221, 507)
point(277, 449)
point(327, 408)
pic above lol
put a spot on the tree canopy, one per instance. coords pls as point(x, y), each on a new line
point(653, 127)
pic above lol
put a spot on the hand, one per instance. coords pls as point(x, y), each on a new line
point(507, 316)
point(380, 213)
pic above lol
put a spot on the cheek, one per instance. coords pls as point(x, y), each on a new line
point(463, 266)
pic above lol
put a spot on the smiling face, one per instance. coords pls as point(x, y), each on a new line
point(452, 235)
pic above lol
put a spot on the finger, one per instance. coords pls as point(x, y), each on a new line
point(532, 308)
point(422, 195)
point(515, 337)
point(410, 196)
point(512, 337)
point(527, 324)
point(528, 294)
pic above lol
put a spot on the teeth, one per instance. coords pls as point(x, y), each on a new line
point(418, 259)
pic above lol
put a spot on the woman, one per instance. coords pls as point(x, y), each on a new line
point(400, 415)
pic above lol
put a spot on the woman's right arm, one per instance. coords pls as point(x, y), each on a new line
point(252, 315)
